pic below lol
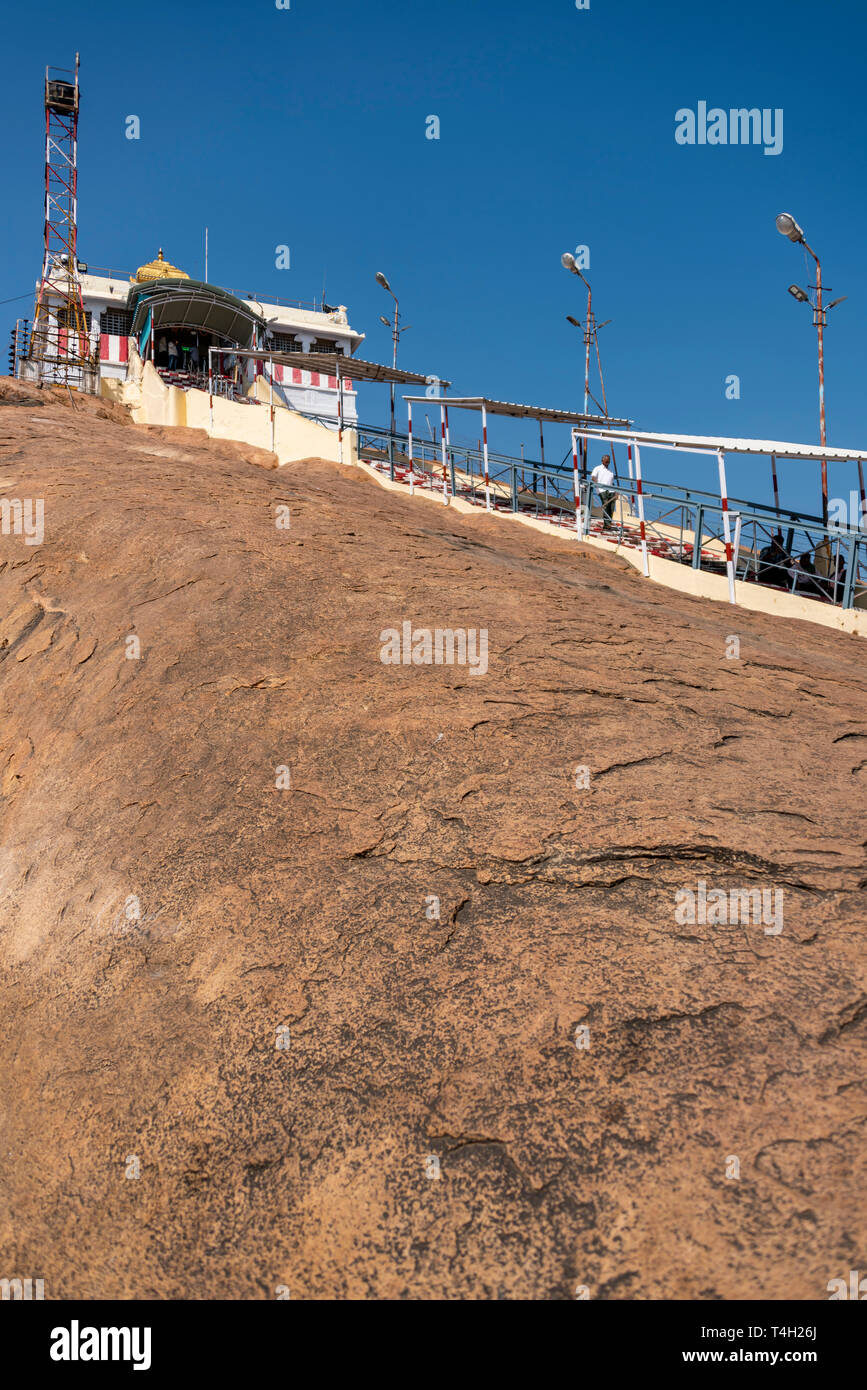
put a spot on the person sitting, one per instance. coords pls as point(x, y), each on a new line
point(807, 580)
point(799, 573)
point(773, 562)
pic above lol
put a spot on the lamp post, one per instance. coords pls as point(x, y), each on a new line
point(569, 263)
point(576, 323)
point(404, 328)
point(395, 333)
point(594, 335)
point(591, 335)
point(788, 227)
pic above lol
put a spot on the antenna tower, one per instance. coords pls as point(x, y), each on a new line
point(59, 341)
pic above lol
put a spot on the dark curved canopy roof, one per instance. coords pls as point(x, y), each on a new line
point(194, 304)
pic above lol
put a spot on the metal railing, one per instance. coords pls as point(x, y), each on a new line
point(107, 273)
point(316, 306)
point(776, 548)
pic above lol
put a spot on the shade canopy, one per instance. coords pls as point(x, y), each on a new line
point(545, 414)
point(332, 363)
point(708, 444)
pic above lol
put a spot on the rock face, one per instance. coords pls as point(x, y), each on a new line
point(342, 977)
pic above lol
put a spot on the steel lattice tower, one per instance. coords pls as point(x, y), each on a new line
point(59, 343)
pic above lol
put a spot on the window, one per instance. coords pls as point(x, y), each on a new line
point(64, 316)
point(117, 321)
point(285, 342)
point(326, 345)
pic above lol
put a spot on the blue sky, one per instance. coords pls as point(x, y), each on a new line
point(306, 127)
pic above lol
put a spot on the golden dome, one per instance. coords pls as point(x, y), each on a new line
point(159, 269)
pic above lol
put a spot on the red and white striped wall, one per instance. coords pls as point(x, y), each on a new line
point(113, 348)
point(64, 345)
point(296, 376)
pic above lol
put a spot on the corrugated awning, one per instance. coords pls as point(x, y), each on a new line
point(708, 444)
point(331, 363)
point(520, 412)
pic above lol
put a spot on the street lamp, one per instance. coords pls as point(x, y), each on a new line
point(788, 227)
point(395, 333)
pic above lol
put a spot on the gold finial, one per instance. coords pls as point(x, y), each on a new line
point(160, 269)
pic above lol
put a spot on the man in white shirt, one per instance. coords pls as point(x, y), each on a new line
point(602, 478)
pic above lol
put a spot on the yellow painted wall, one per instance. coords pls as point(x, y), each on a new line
point(296, 437)
point(111, 388)
point(152, 402)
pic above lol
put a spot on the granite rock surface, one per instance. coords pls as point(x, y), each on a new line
point(368, 980)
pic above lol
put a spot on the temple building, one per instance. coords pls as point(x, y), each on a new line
point(161, 307)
